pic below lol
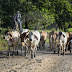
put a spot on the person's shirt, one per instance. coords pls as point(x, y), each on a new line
point(18, 16)
point(14, 18)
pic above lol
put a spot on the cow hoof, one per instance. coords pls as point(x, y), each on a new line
point(70, 51)
point(54, 52)
point(17, 52)
point(65, 50)
point(58, 54)
point(25, 55)
point(63, 54)
point(8, 54)
point(32, 56)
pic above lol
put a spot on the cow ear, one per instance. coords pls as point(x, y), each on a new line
point(56, 34)
point(69, 33)
point(20, 36)
point(36, 37)
point(27, 33)
point(10, 35)
point(63, 35)
point(27, 36)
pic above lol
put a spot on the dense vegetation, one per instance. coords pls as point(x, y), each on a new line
point(37, 13)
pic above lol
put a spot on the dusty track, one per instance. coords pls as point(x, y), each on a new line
point(45, 61)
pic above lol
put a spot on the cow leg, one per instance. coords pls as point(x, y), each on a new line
point(21, 49)
point(58, 51)
point(25, 51)
point(35, 52)
point(30, 50)
point(40, 45)
point(17, 52)
point(13, 50)
point(70, 48)
point(44, 45)
point(49, 44)
point(70, 51)
point(32, 53)
point(63, 49)
point(55, 46)
point(9, 51)
point(17, 49)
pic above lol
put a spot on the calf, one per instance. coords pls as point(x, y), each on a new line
point(62, 41)
point(13, 38)
point(42, 39)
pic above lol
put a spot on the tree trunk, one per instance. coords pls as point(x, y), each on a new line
point(26, 19)
point(26, 23)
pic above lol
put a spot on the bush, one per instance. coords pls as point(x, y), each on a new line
point(69, 30)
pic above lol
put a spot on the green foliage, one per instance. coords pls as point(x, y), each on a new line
point(69, 30)
point(37, 13)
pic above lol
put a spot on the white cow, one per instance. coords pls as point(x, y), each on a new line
point(62, 41)
point(13, 38)
point(30, 40)
point(34, 38)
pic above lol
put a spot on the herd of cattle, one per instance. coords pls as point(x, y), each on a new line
point(31, 40)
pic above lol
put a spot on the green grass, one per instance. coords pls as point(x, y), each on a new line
point(69, 30)
point(3, 43)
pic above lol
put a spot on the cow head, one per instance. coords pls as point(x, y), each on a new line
point(32, 36)
point(25, 34)
point(61, 35)
point(8, 35)
point(23, 37)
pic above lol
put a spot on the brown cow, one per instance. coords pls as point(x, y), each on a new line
point(43, 39)
point(53, 39)
point(67, 41)
point(25, 43)
point(70, 41)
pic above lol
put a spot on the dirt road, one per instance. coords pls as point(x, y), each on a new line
point(45, 61)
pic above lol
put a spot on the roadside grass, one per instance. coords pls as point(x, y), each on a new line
point(3, 43)
point(69, 30)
